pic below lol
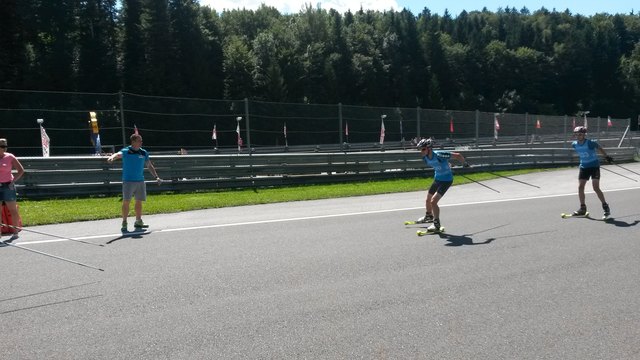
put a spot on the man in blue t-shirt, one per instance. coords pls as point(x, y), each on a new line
point(589, 168)
point(134, 159)
point(443, 178)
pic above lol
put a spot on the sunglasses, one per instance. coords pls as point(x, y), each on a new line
point(3, 146)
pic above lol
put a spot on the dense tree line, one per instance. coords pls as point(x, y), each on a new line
point(510, 60)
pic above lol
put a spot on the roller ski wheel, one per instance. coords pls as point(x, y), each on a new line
point(570, 215)
point(430, 232)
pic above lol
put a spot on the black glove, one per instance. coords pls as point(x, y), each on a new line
point(609, 159)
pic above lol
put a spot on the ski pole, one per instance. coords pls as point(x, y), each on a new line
point(55, 236)
point(49, 255)
point(624, 176)
point(479, 183)
point(521, 182)
point(629, 170)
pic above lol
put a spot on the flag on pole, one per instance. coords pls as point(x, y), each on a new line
point(496, 126)
point(382, 131)
point(135, 129)
point(538, 125)
point(214, 135)
point(451, 125)
point(44, 138)
point(239, 138)
point(346, 128)
point(609, 123)
point(284, 130)
point(573, 123)
point(585, 121)
point(95, 132)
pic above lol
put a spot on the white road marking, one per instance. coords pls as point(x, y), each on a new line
point(271, 221)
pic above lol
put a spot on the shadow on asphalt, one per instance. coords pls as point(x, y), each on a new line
point(130, 234)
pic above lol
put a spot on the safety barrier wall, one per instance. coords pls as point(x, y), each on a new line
point(92, 175)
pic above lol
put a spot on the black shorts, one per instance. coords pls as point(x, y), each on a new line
point(586, 173)
point(440, 187)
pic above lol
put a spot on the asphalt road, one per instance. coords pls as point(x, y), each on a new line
point(340, 279)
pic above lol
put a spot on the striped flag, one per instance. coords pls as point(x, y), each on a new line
point(382, 132)
point(44, 138)
point(214, 135)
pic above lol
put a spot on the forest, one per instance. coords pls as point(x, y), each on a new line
point(535, 61)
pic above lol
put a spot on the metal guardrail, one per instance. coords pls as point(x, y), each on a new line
point(91, 175)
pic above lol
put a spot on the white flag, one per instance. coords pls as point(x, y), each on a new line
point(214, 136)
point(382, 132)
point(44, 138)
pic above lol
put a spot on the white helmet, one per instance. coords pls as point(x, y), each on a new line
point(425, 143)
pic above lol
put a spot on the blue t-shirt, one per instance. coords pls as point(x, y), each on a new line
point(133, 162)
point(587, 153)
point(440, 164)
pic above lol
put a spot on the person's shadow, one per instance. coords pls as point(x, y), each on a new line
point(467, 239)
point(620, 223)
point(136, 234)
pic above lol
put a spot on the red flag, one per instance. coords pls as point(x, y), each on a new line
point(538, 125)
point(451, 125)
point(382, 132)
point(609, 123)
point(214, 135)
point(346, 129)
point(135, 129)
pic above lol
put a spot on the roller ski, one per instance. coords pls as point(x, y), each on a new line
point(428, 218)
point(582, 212)
point(435, 228)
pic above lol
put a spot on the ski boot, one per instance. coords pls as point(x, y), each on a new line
point(123, 228)
point(139, 225)
point(580, 212)
point(607, 211)
point(435, 227)
point(427, 218)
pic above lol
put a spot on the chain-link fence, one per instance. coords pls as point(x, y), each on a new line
point(169, 124)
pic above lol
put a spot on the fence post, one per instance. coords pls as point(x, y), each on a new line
point(246, 114)
point(565, 132)
point(340, 124)
point(526, 127)
point(477, 128)
point(418, 122)
point(124, 135)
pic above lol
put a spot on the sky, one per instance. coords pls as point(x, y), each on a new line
point(583, 7)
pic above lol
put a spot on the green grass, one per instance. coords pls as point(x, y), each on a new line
point(82, 209)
